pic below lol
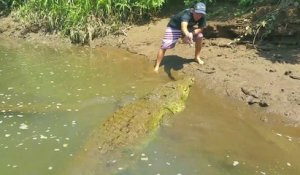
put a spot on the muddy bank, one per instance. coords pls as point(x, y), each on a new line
point(12, 27)
point(266, 77)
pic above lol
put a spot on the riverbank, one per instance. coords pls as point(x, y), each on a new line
point(267, 77)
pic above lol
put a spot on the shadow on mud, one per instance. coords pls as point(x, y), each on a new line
point(174, 62)
point(279, 53)
point(277, 49)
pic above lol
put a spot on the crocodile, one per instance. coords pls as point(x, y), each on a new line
point(130, 124)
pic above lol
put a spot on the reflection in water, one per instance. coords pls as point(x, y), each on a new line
point(51, 98)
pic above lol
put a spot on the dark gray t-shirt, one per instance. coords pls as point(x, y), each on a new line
point(187, 16)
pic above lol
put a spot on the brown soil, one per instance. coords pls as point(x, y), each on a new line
point(266, 76)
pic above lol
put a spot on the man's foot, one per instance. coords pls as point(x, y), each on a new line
point(156, 69)
point(198, 60)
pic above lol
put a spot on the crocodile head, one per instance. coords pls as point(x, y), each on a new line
point(172, 95)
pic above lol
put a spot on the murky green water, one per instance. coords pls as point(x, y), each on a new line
point(214, 136)
point(51, 98)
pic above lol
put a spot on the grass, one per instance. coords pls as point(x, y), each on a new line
point(82, 20)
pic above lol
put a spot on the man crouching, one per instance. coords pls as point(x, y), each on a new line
point(182, 25)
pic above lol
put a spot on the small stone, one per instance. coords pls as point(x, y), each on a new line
point(23, 126)
point(144, 158)
point(288, 72)
point(263, 104)
point(264, 118)
point(235, 163)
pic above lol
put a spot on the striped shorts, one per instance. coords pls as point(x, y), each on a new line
point(172, 35)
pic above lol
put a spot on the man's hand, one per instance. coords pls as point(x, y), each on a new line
point(190, 36)
point(185, 31)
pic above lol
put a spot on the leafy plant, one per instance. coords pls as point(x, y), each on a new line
point(191, 3)
point(246, 2)
point(73, 17)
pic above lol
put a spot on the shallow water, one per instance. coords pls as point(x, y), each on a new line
point(219, 137)
point(51, 98)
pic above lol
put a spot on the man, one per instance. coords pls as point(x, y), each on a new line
point(189, 25)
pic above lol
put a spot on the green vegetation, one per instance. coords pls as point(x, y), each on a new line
point(83, 20)
point(241, 2)
point(268, 15)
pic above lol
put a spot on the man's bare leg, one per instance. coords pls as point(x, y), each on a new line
point(160, 56)
point(198, 47)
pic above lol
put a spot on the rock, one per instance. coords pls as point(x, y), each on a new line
point(296, 77)
point(272, 70)
point(251, 100)
point(252, 93)
point(264, 119)
point(207, 70)
point(263, 104)
point(288, 72)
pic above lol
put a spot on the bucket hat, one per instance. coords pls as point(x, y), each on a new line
point(200, 8)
